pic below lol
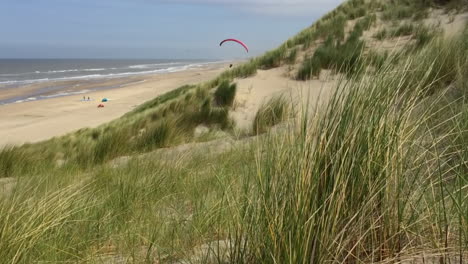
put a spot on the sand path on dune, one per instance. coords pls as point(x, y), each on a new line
point(40, 120)
point(252, 92)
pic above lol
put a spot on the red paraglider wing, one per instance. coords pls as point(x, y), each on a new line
point(235, 40)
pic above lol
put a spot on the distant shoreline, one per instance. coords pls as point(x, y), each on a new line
point(38, 120)
point(43, 90)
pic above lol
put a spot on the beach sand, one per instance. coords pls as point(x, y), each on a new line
point(40, 120)
point(35, 121)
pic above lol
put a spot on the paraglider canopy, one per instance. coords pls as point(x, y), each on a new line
point(235, 40)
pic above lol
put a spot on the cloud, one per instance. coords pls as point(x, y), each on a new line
point(270, 7)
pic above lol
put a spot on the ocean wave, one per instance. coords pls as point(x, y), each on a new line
point(26, 100)
point(76, 70)
point(42, 97)
point(148, 66)
point(110, 75)
point(56, 71)
point(53, 79)
point(61, 94)
point(26, 81)
point(15, 74)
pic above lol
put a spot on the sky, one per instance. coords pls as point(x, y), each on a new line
point(153, 29)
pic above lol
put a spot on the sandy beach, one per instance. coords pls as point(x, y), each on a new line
point(40, 120)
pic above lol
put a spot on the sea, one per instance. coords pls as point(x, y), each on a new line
point(47, 78)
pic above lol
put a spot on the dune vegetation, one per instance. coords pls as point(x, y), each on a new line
point(378, 175)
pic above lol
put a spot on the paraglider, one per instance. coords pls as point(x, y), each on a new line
point(235, 40)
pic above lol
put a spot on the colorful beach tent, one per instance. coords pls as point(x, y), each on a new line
point(104, 100)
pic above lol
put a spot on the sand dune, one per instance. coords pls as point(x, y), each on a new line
point(252, 92)
point(40, 120)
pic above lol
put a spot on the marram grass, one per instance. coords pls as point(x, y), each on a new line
point(377, 176)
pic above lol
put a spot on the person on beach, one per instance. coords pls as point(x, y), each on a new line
point(84, 99)
point(89, 99)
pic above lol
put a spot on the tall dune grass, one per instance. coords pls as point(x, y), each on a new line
point(225, 93)
point(377, 176)
point(341, 57)
point(276, 110)
point(369, 180)
point(166, 121)
point(145, 211)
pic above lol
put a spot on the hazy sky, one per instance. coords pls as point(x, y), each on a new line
point(150, 28)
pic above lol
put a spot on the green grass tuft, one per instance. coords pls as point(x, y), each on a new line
point(225, 93)
point(345, 58)
point(291, 59)
point(397, 12)
point(403, 30)
point(381, 34)
point(162, 99)
point(423, 36)
point(9, 156)
point(271, 113)
point(158, 135)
